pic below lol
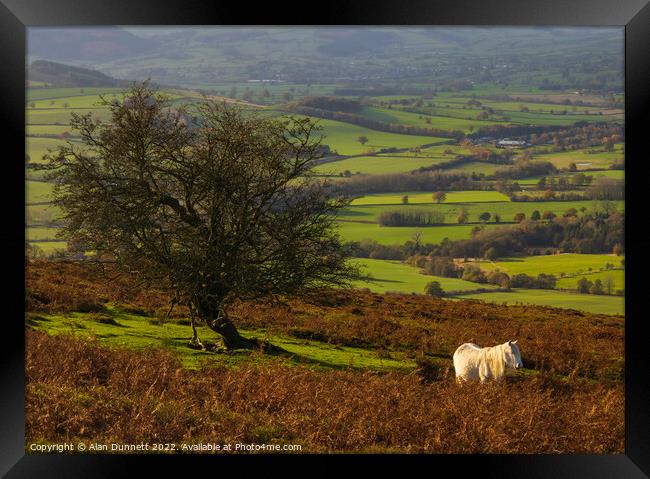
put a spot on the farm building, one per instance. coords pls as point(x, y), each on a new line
point(507, 143)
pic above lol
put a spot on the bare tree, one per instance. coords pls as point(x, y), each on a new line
point(214, 208)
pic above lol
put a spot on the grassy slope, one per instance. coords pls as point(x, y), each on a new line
point(559, 299)
point(121, 329)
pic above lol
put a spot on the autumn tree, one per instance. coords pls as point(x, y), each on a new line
point(463, 216)
point(214, 207)
point(548, 215)
point(439, 196)
point(434, 289)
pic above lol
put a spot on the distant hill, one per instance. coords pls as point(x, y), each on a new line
point(59, 74)
point(94, 45)
point(563, 58)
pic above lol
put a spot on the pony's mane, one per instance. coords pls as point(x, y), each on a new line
point(493, 358)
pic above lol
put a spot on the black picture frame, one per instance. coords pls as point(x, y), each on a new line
point(633, 15)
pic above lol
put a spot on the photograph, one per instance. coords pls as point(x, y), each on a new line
point(335, 239)
point(400, 235)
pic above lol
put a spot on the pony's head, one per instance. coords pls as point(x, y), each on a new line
point(512, 355)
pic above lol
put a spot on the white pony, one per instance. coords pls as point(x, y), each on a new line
point(474, 362)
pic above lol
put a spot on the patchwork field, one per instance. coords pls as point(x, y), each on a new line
point(49, 110)
point(395, 276)
point(402, 278)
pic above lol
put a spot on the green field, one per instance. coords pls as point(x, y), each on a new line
point(479, 167)
point(617, 276)
point(558, 299)
point(45, 213)
point(37, 147)
point(507, 210)
point(120, 329)
point(388, 235)
point(616, 174)
point(342, 137)
point(583, 159)
point(38, 191)
point(568, 263)
point(376, 165)
point(418, 197)
point(61, 116)
point(35, 233)
point(448, 151)
point(50, 247)
point(36, 94)
point(402, 278)
point(466, 121)
point(31, 130)
point(515, 106)
point(531, 182)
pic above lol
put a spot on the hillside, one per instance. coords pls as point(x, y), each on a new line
point(373, 356)
point(86, 44)
point(61, 75)
point(361, 58)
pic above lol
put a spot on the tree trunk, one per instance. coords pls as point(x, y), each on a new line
point(231, 338)
point(195, 343)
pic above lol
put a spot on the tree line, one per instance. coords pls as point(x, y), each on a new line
point(410, 217)
point(599, 231)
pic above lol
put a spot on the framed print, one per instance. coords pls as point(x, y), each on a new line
point(400, 232)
